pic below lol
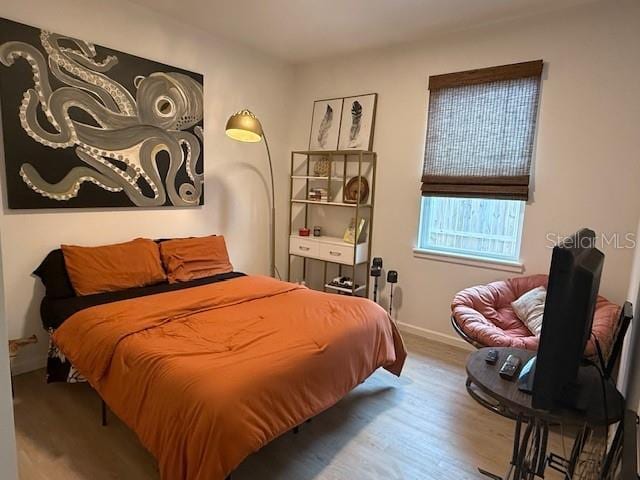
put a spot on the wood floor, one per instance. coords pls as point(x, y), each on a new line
point(420, 426)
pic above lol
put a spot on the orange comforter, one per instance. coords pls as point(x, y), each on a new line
point(207, 375)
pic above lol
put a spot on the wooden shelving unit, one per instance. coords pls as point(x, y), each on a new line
point(330, 250)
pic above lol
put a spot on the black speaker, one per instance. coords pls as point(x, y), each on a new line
point(392, 279)
point(392, 276)
point(376, 272)
point(376, 267)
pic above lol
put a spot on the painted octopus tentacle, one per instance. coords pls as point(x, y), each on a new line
point(168, 144)
point(191, 192)
point(29, 121)
point(89, 62)
point(121, 96)
point(58, 113)
point(176, 159)
point(193, 153)
point(127, 178)
point(199, 133)
point(53, 41)
point(69, 186)
point(190, 155)
point(121, 178)
point(11, 50)
point(106, 99)
point(130, 188)
point(66, 97)
point(150, 169)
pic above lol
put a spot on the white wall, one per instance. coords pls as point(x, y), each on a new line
point(7, 432)
point(586, 166)
point(629, 375)
point(236, 175)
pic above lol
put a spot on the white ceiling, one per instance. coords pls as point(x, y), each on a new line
point(300, 30)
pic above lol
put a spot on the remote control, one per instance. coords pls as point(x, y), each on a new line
point(492, 357)
point(510, 367)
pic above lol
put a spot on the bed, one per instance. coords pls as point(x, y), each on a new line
point(208, 371)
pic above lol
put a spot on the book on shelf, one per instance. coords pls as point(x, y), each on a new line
point(350, 233)
point(318, 195)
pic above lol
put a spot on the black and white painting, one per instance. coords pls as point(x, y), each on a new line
point(87, 126)
point(358, 121)
point(325, 124)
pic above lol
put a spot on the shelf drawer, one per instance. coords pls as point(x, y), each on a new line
point(304, 247)
point(343, 253)
point(331, 249)
point(336, 253)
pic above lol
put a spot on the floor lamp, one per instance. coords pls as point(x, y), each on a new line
point(244, 126)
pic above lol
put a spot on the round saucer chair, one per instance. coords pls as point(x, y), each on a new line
point(482, 315)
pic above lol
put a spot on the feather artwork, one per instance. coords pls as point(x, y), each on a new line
point(356, 123)
point(325, 126)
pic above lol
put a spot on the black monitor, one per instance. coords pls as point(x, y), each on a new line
point(574, 280)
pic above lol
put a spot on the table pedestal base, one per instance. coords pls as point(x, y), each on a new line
point(529, 457)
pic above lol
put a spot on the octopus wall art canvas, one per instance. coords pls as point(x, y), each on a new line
point(87, 126)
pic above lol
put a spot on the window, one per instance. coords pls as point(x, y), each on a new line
point(478, 150)
point(478, 227)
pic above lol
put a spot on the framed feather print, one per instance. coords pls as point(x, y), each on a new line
point(358, 122)
point(325, 124)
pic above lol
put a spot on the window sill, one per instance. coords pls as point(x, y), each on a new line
point(488, 263)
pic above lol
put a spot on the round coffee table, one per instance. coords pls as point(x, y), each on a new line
point(529, 457)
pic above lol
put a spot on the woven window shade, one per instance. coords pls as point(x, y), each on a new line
point(481, 131)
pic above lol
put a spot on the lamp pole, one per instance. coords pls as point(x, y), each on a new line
point(244, 126)
point(272, 246)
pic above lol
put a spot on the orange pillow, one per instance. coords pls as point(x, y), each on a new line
point(113, 267)
point(190, 258)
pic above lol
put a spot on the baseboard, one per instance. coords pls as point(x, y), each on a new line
point(23, 364)
point(435, 336)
